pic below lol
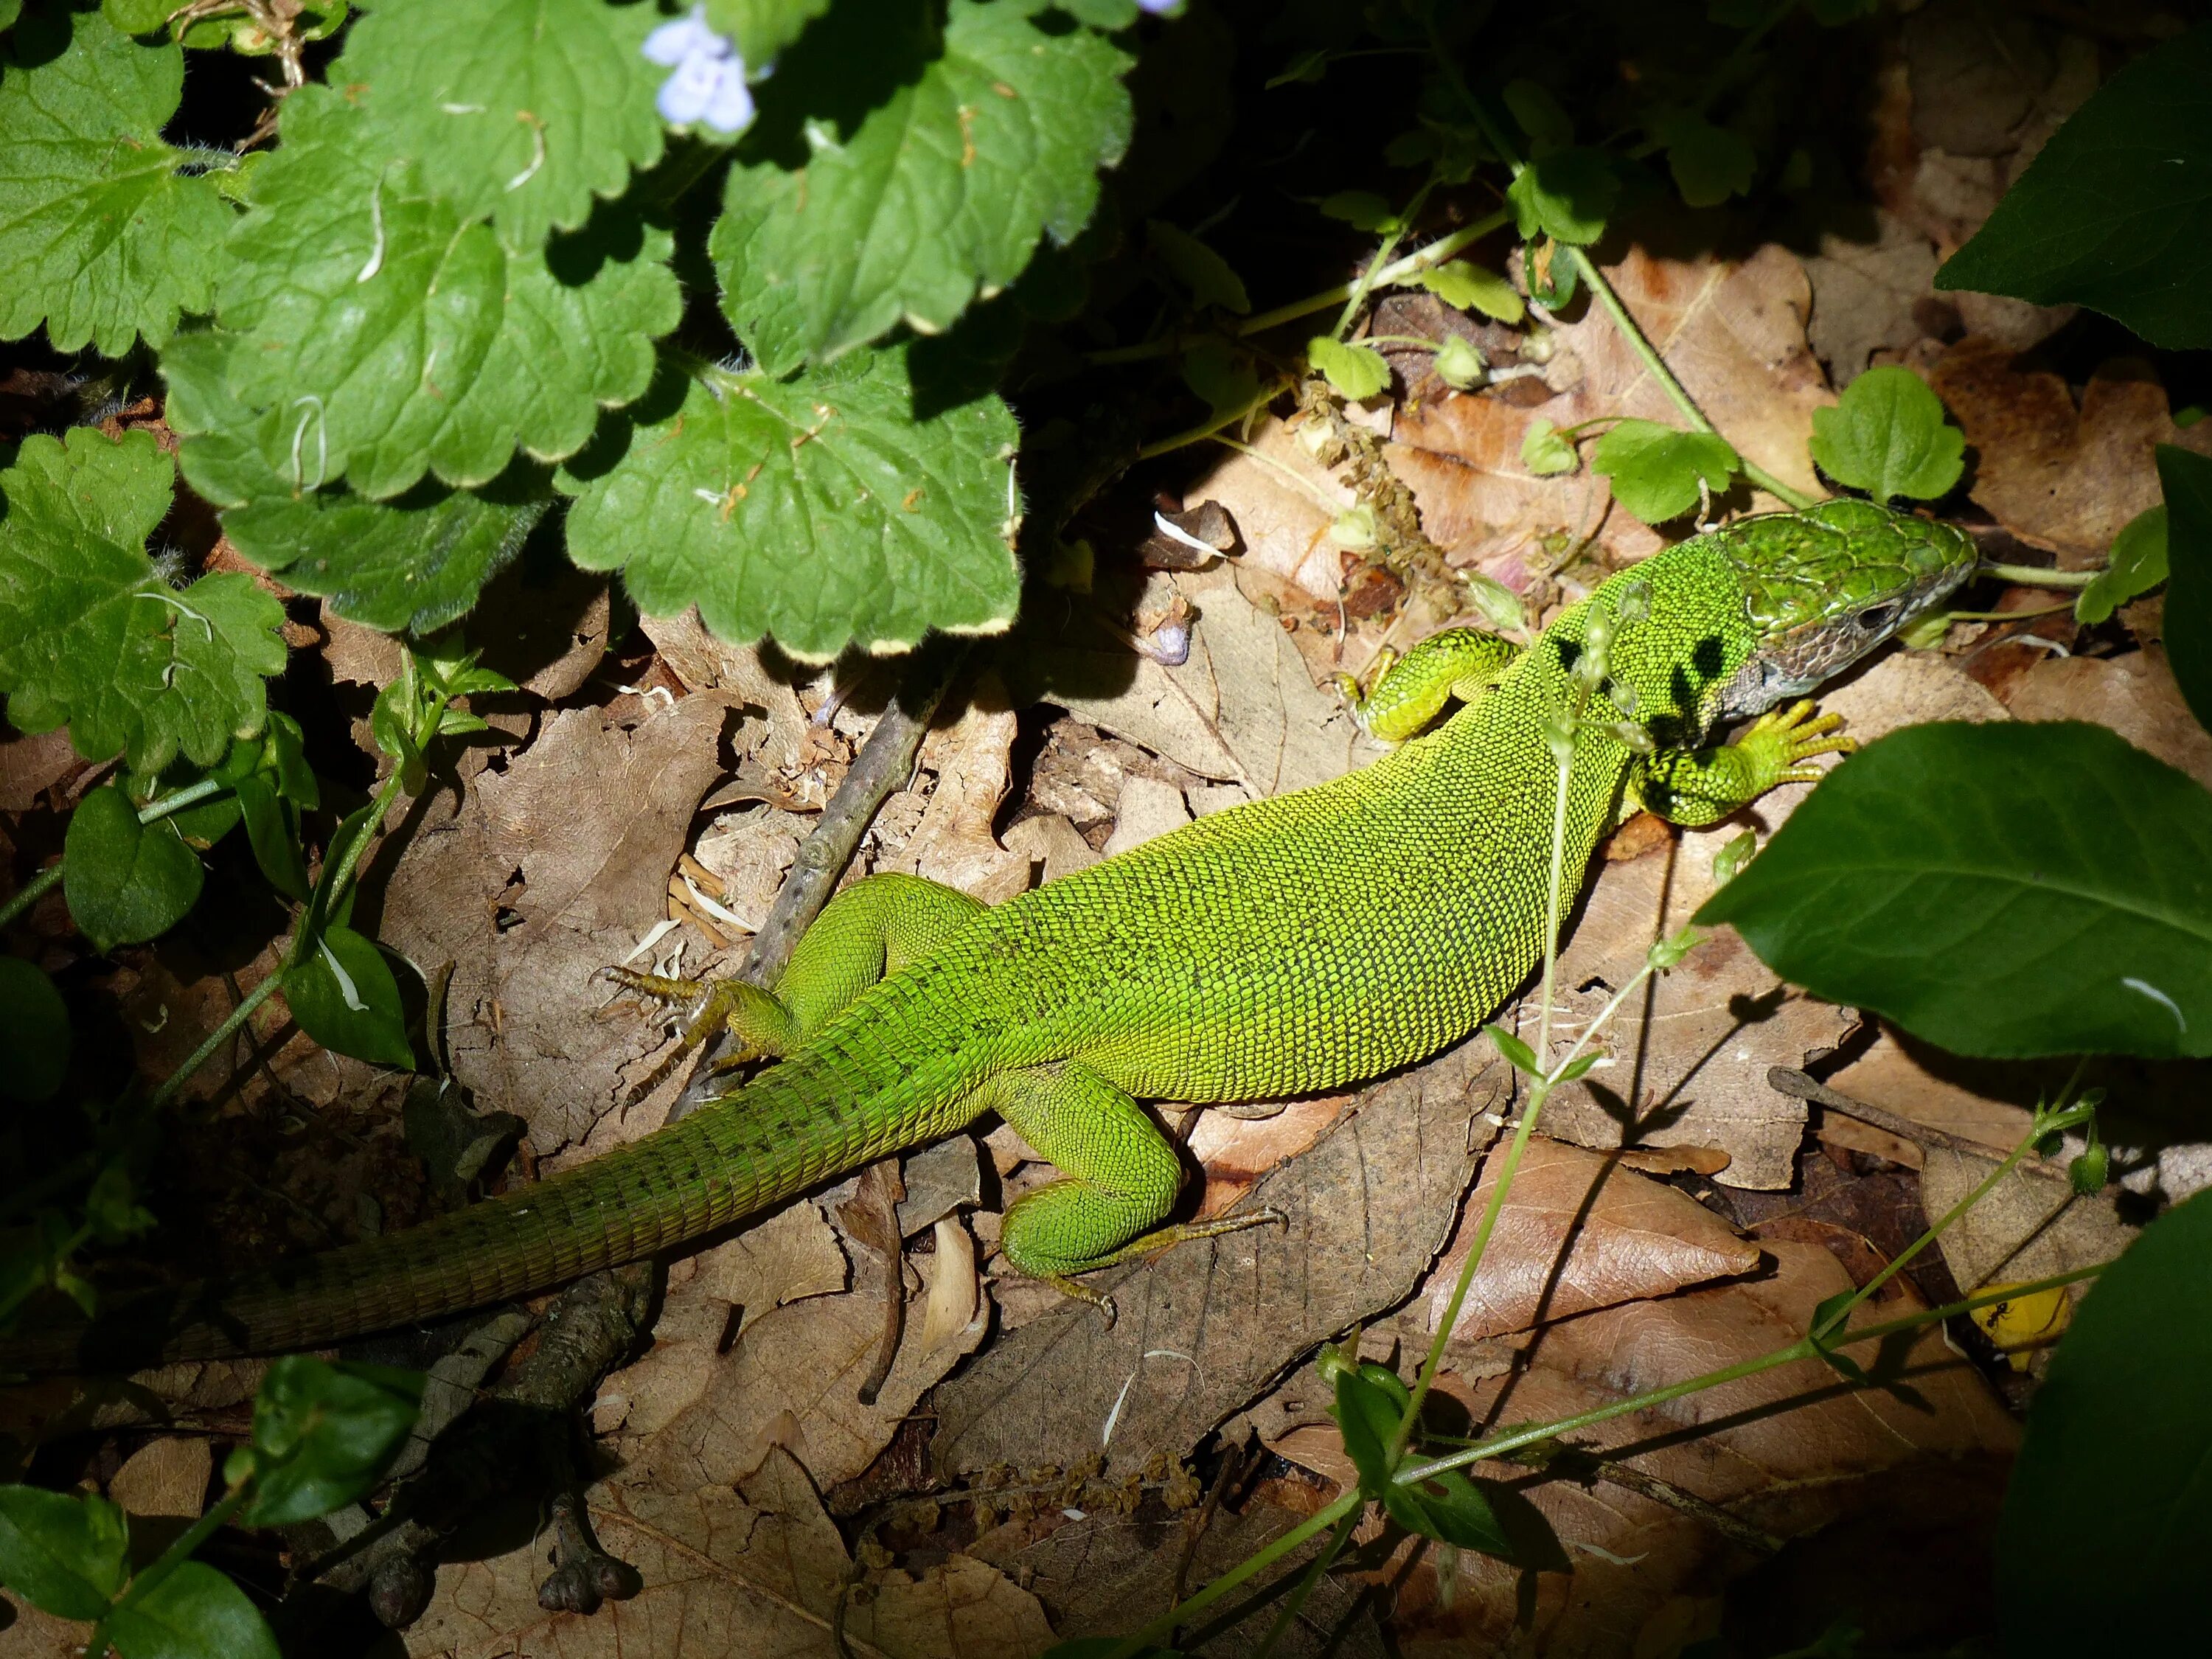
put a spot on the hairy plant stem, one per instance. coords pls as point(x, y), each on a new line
point(2029, 575)
point(50, 877)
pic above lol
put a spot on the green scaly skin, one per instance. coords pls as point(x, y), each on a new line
point(1291, 945)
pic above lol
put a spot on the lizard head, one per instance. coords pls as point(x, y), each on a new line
point(1824, 587)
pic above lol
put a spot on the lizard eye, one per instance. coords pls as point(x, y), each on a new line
point(1874, 618)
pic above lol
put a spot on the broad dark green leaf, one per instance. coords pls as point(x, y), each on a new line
point(2115, 213)
point(323, 1433)
point(194, 1613)
point(35, 1032)
point(126, 881)
point(344, 996)
point(2003, 889)
point(2101, 1547)
point(2187, 480)
point(61, 1551)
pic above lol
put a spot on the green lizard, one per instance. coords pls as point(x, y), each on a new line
point(1286, 946)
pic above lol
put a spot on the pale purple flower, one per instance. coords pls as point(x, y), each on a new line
point(708, 84)
point(1159, 7)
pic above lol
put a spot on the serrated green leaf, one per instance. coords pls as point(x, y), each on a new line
point(35, 1032)
point(1208, 276)
point(1357, 372)
point(101, 237)
point(1566, 196)
point(817, 509)
point(323, 1433)
point(344, 996)
point(762, 28)
point(2014, 890)
point(1887, 436)
point(126, 881)
point(61, 1551)
point(1655, 470)
point(196, 1612)
point(2186, 477)
point(398, 337)
point(92, 636)
point(1363, 210)
point(1544, 451)
point(2136, 564)
point(523, 110)
point(1470, 288)
point(1710, 163)
point(412, 563)
point(2115, 212)
point(896, 170)
point(2098, 1546)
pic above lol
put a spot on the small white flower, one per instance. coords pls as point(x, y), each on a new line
point(730, 109)
point(709, 82)
point(672, 43)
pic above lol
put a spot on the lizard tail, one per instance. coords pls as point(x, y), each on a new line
point(747, 1151)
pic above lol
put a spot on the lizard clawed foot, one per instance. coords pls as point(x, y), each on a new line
point(1077, 1291)
point(1785, 739)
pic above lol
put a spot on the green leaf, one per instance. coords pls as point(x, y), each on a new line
point(126, 881)
point(323, 1434)
point(1544, 451)
point(896, 169)
point(2011, 890)
point(35, 1032)
point(1357, 372)
point(1363, 210)
point(1367, 1417)
point(762, 28)
point(274, 833)
point(195, 1613)
point(521, 110)
point(413, 564)
point(101, 237)
point(1470, 288)
point(1710, 163)
point(817, 509)
point(1566, 196)
point(1518, 1054)
point(397, 335)
point(61, 1551)
point(1206, 273)
point(1655, 470)
point(2187, 480)
point(90, 634)
point(1540, 114)
point(344, 996)
point(1887, 436)
point(2115, 213)
point(2136, 564)
point(1221, 375)
point(2099, 1549)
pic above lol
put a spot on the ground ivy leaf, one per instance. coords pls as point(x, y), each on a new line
point(2186, 477)
point(101, 237)
point(2014, 890)
point(1887, 436)
point(1565, 195)
point(1655, 470)
point(524, 110)
point(2115, 213)
point(92, 635)
point(398, 336)
point(896, 169)
point(762, 28)
point(412, 563)
point(1357, 372)
point(818, 509)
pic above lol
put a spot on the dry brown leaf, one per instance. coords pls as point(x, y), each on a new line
point(28, 766)
point(729, 1575)
point(165, 1477)
point(704, 662)
point(973, 759)
point(1787, 1452)
point(553, 626)
point(1575, 1233)
point(1053, 846)
point(1206, 1325)
point(1149, 808)
point(1866, 295)
point(2057, 476)
point(2135, 695)
point(591, 818)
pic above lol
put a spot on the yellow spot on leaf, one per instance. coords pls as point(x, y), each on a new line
point(2019, 1325)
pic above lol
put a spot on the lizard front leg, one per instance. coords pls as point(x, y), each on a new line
point(867, 932)
point(1119, 1180)
point(1698, 786)
point(1409, 690)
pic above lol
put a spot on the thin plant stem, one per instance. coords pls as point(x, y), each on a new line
point(1312, 1576)
point(222, 1033)
point(1214, 424)
point(1803, 1348)
point(1365, 285)
point(1346, 1503)
point(48, 878)
point(169, 1560)
point(2029, 575)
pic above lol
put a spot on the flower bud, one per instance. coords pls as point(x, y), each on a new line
point(1459, 365)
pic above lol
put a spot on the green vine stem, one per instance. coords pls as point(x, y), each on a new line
point(2029, 575)
point(50, 877)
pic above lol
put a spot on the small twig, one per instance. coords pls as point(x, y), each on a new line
point(1785, 1079)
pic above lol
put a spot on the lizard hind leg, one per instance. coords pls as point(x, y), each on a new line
point(867, 932)
point(1408, 692)
point(1119, 1178)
